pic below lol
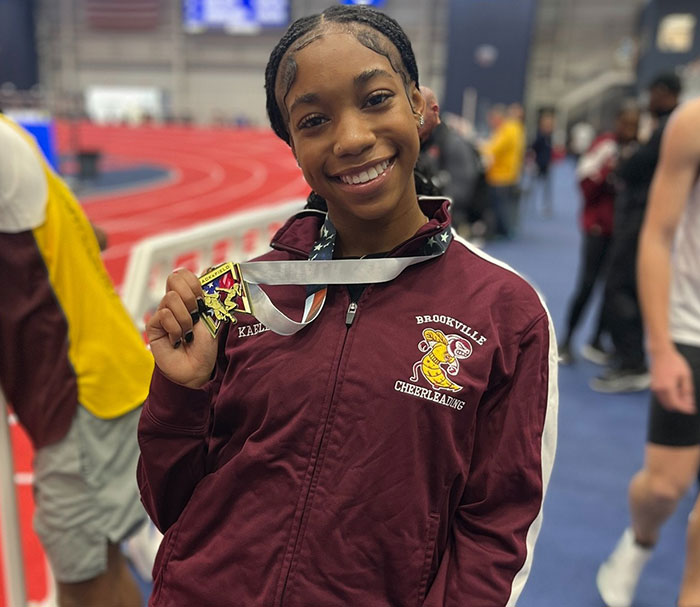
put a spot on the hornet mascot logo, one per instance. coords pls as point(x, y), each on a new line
point(442, 357)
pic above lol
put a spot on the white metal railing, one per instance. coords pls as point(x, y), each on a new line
point(9, 520)
point(592, 89)
point(237, 237)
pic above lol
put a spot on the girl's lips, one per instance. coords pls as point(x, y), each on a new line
point(369, 187)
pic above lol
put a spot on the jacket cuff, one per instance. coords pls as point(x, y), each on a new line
point(177, 407)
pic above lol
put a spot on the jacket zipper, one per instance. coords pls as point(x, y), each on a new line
point(349, 317)
point(350, 314)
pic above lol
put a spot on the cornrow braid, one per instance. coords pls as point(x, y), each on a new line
point(299, 28)
point(382, 23)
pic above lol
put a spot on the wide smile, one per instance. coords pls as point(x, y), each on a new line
point(367, 178)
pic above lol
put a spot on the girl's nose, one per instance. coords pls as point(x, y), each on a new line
point(353, 135)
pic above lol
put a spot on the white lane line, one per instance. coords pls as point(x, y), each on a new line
point(24, 478)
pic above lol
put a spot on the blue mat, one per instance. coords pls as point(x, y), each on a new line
point(601, 437)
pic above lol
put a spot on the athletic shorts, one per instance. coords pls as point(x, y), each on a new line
point(677, 429)
point(86, 494)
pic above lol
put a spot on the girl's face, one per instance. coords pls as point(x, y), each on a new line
point(353, 129)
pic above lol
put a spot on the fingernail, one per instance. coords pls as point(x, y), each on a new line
point(177, 344)
point(201, 306)
point(189, 336)
point(195, 316)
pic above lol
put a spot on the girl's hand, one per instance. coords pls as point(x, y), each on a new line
point(182, 347)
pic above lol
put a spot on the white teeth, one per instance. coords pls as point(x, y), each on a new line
point(367, 175)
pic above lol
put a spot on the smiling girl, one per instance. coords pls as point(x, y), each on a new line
point(395, 451)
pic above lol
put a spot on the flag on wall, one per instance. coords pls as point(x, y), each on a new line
point(122, 14)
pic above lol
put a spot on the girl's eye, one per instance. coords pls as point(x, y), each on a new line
point(378, 98)
point(309, 122)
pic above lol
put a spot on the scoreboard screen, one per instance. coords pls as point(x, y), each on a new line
point(376, 3)
point(234, 16)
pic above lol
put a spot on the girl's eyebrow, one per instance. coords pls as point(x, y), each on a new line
point(308, 98)
point(369, 74)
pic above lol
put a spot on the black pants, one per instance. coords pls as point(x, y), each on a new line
point(543, 186)
point(671, 428)
point(594, 253)
point(621, 304)
point(504, 201)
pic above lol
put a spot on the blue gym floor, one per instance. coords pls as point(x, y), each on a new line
point(601, 437)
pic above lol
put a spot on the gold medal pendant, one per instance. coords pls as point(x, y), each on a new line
point(225, 293)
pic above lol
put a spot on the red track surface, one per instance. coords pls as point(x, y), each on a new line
point(215, 172)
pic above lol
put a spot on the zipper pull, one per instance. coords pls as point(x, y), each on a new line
point(350, 314)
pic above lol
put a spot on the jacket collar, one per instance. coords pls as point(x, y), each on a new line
point(301, 231)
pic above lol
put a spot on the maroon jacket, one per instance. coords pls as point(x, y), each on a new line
point(594, 173)
point(398, 457)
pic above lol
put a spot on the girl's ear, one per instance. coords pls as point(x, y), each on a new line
point(418, 102)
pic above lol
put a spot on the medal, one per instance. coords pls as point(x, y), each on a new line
point(225, 293)
point(233, 288)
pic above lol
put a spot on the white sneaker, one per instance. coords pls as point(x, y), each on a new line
point(594, 354)
point(619, 575)
point(613, 381)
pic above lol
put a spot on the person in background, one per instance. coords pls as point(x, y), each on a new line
point(628, 370)
point(452, 164)
point(669, 291)
point(504, 152)
point(541, 149)
point(517, 112)
point(595, 176)
point(75, 370)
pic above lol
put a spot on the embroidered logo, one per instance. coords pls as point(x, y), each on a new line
point(441, 359)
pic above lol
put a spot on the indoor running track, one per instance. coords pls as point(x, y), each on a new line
point(213, 172)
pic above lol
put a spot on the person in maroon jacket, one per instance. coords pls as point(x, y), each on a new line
point(395, 451)
point(595, 172)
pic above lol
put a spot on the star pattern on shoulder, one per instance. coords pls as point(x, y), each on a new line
point(438, 242)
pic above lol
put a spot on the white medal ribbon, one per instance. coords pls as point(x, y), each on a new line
point(328, 272)
point(316, 272)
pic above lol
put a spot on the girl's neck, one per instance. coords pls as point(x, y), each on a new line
point(357, 237)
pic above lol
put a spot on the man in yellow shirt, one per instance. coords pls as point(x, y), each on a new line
point(504, 153)
point(75, 371)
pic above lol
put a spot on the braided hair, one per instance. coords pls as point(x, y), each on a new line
point(363, 22)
